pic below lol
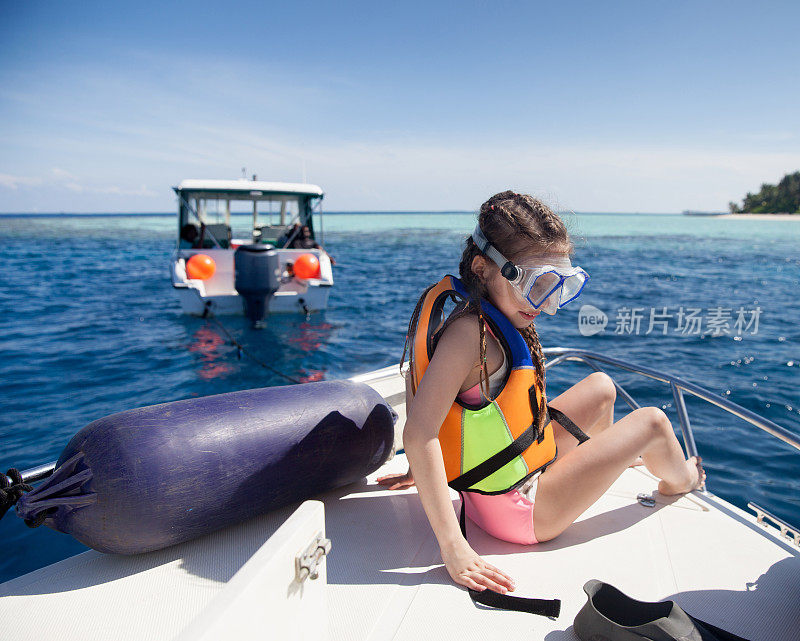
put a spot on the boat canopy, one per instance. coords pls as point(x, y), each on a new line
point(207, 203)
point(245, 189)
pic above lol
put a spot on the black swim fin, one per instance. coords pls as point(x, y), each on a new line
point(611, 615)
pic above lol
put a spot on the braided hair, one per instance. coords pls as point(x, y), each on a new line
point(513, 223)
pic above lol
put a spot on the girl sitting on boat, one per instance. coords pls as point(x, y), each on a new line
point(479, 421)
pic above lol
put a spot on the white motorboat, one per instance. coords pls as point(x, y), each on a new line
point(361, 562)
point(273, 214)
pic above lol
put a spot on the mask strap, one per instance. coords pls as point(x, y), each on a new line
point(508, 269)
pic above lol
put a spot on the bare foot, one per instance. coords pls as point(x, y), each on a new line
point(637, 462)
point(695, 478)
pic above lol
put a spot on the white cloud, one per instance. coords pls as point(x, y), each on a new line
point(58, 179)
point(115, 190)
point(13, 182)
point(392, 173)
point(59, 173)
point(142, 132)
point(401, 174)
point(142, 190)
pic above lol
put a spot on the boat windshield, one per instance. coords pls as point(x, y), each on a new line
point(269, 218)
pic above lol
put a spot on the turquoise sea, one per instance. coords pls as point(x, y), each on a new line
point(90, 326)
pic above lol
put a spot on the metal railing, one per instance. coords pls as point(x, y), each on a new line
point(678, 386)
point(38, 473)
point(558, 355)
point(787, 531)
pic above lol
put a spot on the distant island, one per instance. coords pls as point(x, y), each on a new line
point(783, 198)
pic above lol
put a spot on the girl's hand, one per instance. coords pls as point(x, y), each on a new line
point(468, 569)
point(397, 481)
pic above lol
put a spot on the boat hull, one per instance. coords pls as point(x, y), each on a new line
point(219, 296)
point(194, 303)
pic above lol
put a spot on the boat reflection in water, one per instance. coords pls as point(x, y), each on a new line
point(280, 350)
point(213, 351)
point(312, 336)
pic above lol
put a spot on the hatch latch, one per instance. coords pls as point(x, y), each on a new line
point(646, 499)
point(307, 562)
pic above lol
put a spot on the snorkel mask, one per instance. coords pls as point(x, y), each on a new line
point(545, 286)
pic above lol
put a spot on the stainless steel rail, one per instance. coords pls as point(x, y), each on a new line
point(33, 474)
point(593, 359)
point(786, 530)
point(679, 386)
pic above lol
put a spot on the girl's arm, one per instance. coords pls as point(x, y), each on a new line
point(453, 360)
point(401, 481)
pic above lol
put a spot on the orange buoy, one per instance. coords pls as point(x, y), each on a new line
point(201, 267)
point(306, 266)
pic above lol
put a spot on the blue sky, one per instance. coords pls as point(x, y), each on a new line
point(623, 106)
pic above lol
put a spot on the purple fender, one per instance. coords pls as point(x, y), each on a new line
point(151, 477)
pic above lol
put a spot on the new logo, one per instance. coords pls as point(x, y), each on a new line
point(591, 320)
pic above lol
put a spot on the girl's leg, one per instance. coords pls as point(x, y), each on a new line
point(576, 480)
point(590, 404)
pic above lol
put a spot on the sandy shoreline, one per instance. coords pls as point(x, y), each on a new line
point(759, 216)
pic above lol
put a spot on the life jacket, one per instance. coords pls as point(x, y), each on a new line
point(496, 445)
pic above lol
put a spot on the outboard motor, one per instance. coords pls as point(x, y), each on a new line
point(256, 278)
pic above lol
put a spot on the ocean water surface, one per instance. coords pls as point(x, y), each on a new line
point(90, 326)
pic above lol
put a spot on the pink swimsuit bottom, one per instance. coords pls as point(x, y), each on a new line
point(507, 516)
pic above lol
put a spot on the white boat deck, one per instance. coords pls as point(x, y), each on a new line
point(385, 579)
